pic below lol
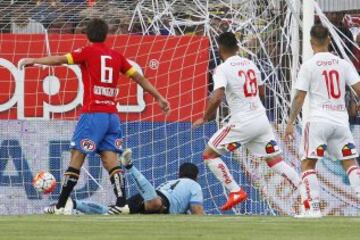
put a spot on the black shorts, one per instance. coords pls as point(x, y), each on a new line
point(136, 203)
point(165, 202)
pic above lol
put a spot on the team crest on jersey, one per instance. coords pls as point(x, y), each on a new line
point(320, 150)
point(87, 145)
point(271, 147)
point(348, 150)
point(118, 143)
point(233, 146)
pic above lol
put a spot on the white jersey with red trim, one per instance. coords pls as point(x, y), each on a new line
point(240, 77)
point(324, 77)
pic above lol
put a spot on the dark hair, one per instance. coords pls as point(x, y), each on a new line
point(320, 33)
point(228, 41)
point(188, 170)
point(96, 30)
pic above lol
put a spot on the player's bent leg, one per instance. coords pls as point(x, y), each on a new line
point(116, 174)
point(151, 202)
point(154, 206)
point(310, 183)
point(220, 170)
point(144, 187)
point(136, 204)
point(277, 164)
point(71, 177)
point(353, 172)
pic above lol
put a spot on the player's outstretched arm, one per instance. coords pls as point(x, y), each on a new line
point(197, 209)
point(295, 109)
point(213, 104)
point(148, 87)
point(50, 60)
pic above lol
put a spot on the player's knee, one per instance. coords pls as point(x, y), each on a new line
point(348, 163)
point(109, 160)
point(77, 159)
point(272, 161)
point(154, 205)
point(207, 155)
point(308, 164)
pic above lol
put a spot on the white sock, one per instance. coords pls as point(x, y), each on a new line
point(282, 168)
point(222, 173)
point(312, 189)
point(354, 178)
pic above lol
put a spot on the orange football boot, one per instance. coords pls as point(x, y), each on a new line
point(234, 198)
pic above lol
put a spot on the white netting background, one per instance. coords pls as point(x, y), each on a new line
point(178, 66)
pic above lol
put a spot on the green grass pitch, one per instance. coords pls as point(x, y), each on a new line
point(133, 227)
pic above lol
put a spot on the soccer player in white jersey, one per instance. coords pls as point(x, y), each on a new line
point(238, 79)
point(323, 78)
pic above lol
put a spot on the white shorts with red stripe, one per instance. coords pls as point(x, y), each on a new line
point(321, 137)
point(255, 135)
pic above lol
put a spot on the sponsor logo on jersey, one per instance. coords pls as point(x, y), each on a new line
point(87, 145)
point(118, 143)
point(105, 102)
point(271, 147)
point(242, 63)
point(348, 150)
point(334, 107)
point(328, 62)
point(106, 91)
point(233, 146)
point(320, 150)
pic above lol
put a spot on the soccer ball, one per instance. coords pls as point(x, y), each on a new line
point(44, 182)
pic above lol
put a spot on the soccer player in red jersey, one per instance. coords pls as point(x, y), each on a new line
point(99, 128)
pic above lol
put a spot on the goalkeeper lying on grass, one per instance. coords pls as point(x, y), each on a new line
point(172, 197)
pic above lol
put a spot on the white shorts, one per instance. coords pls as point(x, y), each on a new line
point(319, 137)
point(255, 135)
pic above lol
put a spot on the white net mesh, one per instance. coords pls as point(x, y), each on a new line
point(170, 42)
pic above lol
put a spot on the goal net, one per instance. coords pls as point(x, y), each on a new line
point(173, 44)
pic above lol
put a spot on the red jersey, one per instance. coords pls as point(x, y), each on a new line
point(100, 68)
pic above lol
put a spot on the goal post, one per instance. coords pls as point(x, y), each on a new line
point(308, 13)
